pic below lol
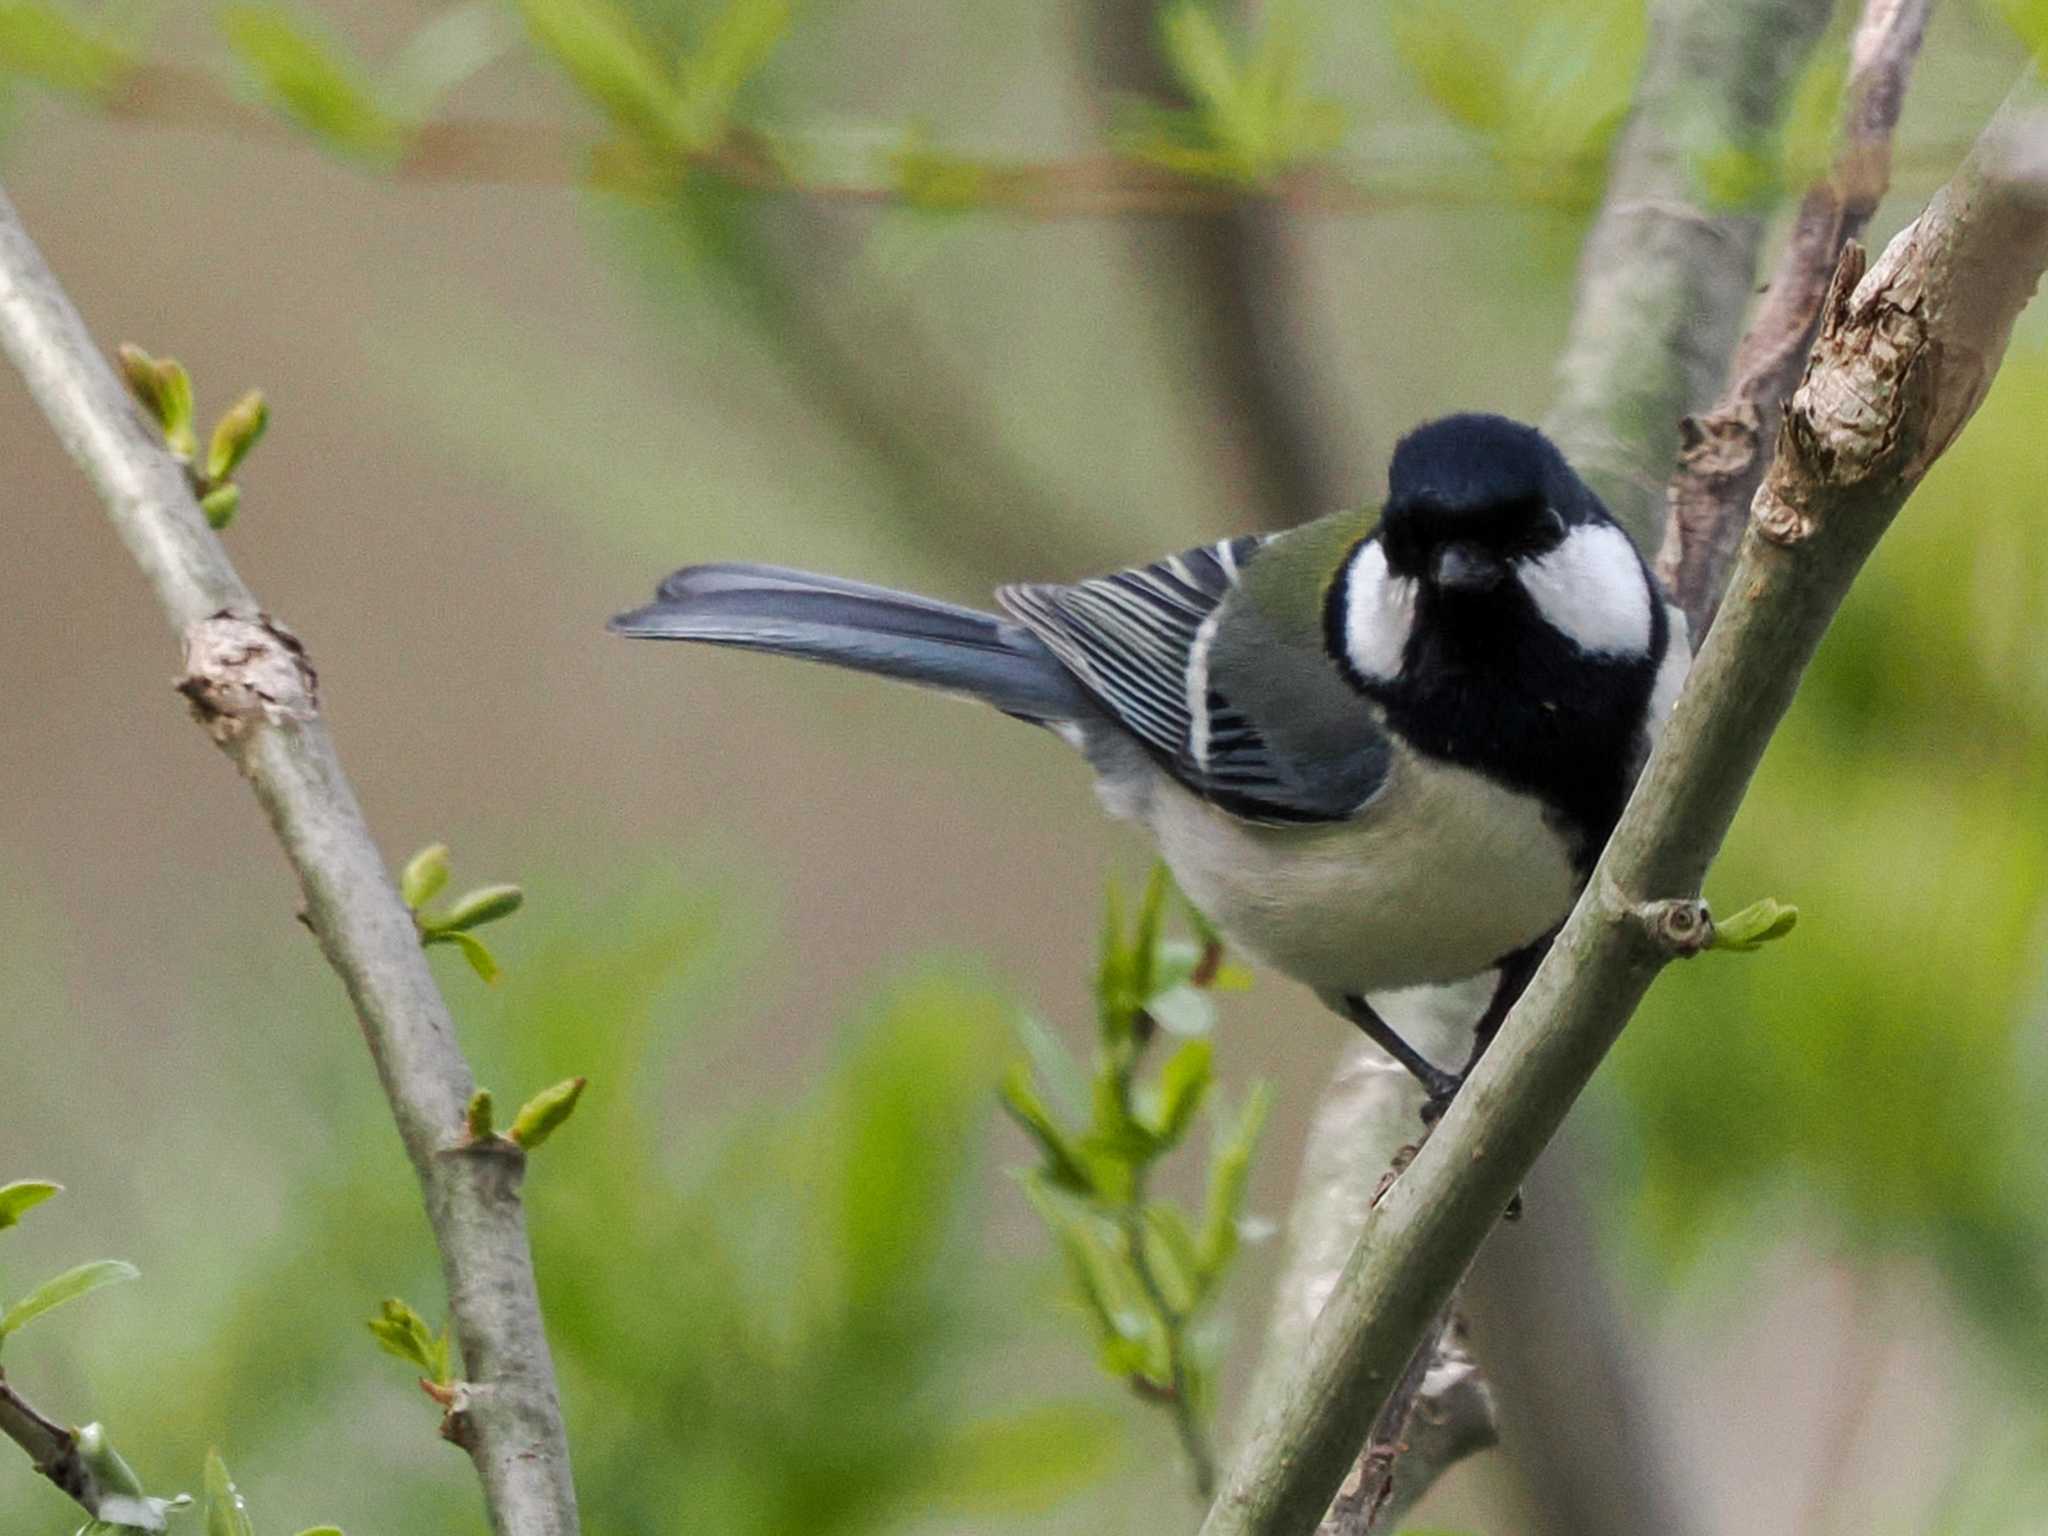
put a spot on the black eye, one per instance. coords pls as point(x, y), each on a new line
point(1404, 556)
point(1539, 527)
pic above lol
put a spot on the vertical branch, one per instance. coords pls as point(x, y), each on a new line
point(1665, 276)
point(256, 693)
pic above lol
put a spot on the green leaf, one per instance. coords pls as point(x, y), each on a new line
point(1184, 1082)
point(479, 956)
point(21, 1197)
point(122, 1506)
point(1145, 945)
point(1117, 1144)
point(1054, 1065)
point(220, 506)
point(546, 1112)
point(39, 42)
point(1116, 991)
point(1065, 1165)
point(1229, 1176)
point(64, 1289)
point(1175, 1253)
point(740, 40)
point(478, 1120)
point(310, 82)
point(426, 872)
point(404, 1333)
point(138, 370)
point(1103, 1283)
point(473, 909)
point(173, 400)
point(106, 1463)
point(238, 430)
point(612, 62)
point(1024, 1462)
point(321, 1530)
point(226, 1515)
point(1459, 67)
point(1199, 53)
point(1755, 925)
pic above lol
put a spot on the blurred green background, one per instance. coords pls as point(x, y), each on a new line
point(785, 919)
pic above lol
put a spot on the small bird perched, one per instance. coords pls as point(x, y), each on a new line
point(1378, 753)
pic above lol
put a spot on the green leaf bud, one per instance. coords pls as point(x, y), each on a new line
point(424, 875)
point(220, 505)
point(485, 904)
point(235, 434)
point(546, 1112)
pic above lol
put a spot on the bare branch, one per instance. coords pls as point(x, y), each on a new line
point(1905, 355)
point(252, 687)
point(1727, 449)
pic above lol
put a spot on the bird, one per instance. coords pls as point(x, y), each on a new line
point(1379, 751)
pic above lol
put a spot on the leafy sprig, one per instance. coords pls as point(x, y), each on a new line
point(165, 390)
point(424, 877)
point(1145, 1272)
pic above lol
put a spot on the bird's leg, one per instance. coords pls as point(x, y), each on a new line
point(1436, 1082)
point(1508, 988)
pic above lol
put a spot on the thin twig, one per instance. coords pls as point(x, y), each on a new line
point(1366, 1501)
point(1727, 449)
point(251, 685)
point(1092, 185)
point(1187, 1419)
point(52, 1449)
point(1905, 355)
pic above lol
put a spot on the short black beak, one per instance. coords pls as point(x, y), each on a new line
point(1465, 568)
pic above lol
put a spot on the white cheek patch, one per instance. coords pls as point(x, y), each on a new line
point(1591, 590)
point(1379, 613)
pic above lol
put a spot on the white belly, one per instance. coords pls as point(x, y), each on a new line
point(1443, 874)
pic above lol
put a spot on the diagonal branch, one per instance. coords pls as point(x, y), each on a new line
point(1905, 354)
point(1664, 282)
point(252, 687)
point(51, 1448)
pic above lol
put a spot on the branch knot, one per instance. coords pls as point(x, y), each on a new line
point(241, 671)
point(1679, 928)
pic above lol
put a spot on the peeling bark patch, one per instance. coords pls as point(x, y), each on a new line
point(241, 671)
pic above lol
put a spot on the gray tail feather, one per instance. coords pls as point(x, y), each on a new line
point(866, 628)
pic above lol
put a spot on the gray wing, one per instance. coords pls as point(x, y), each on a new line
point(1138, 641)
